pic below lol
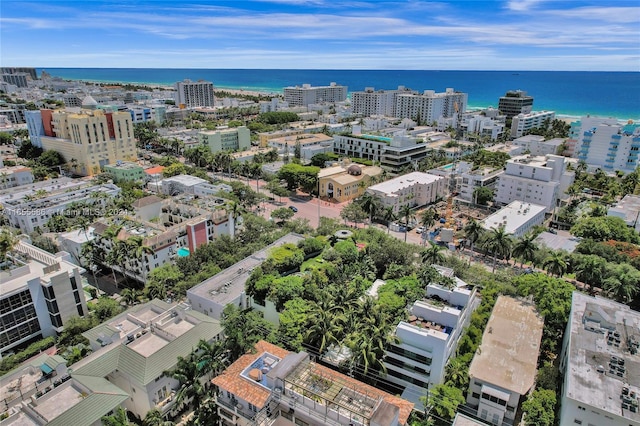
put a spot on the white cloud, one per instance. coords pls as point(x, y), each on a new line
point(523, 5)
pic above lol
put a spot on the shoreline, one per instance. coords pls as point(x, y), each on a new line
point(253, 91)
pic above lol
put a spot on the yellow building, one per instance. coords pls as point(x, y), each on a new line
point(346, 182)
point(90, 139)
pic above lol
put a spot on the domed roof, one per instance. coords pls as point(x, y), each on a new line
point(354, 170)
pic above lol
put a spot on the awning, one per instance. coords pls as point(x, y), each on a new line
point(495, 392)
point(46, 369)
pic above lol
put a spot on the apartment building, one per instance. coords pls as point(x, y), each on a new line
point(413, 189)
point(504, 368)
point(522, 123)
point(310, 144)
point(191, 94)
point(226, 139)
point(211, 296)
point(517, 218)
point(30, 208)
point(628, 209)
point(126, 171)
point(168, 228)
point(10, 177)
point(605, 143)
point(600, 359)
point(479, 124)
point(536, 145)
point(93, 138)
point(535, 180)
point(272, 386)
point(369, 101)
point(134, 350)
point(43, 394)
point(346, 181)
point(19, 79)
point(140, 114)
point(306, 94)
point(430, 106)
point(515, 102)
point(470, 178)
point(430, 336)
point(187, 184)
point(39, 293)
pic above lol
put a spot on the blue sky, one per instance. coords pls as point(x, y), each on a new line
point(598, 35)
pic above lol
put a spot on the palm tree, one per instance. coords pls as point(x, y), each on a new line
point(234, 210)
point(623, 283)
point(7, 241)
point(154, 418)
point(129, 296)
point(525, 248)
point(498, 242)
point(433, 254)
point(140, 251)
point(591, 270)
point(370, 204)
point(325, 328)
point(555, 264)
point(457, 374)
point(118, 418)
point(186, 373)
point(407, 213)
point(473, 232)
point(156, 290)
point(389, 216)
point(428, 217)
point(212, 357)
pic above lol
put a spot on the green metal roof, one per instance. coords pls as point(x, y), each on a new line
point(103, 398)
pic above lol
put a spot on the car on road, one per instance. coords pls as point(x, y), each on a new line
point(293, 209)
point(420, 230)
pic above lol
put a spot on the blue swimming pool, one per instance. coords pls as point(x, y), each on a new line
point(183, 252)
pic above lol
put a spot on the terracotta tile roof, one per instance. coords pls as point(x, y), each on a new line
point(154, 170)
point(232, 381)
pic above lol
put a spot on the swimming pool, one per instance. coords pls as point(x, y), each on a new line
point(183, 252)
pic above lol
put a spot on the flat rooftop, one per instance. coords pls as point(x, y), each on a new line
point(508, 354)
point(228, 285)
point(513, 216)
point(600, 359)
point(405, 181)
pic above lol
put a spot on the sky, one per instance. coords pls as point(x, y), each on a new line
point(554, 35)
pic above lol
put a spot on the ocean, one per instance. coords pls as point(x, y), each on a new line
point(569, 94)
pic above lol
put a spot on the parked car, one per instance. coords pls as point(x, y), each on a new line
point(293, 209)
point(420, 230)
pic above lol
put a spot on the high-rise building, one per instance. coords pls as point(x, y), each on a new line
point(306, 94)
point(430, 106)
point(17, 79)
point(381, 102)
point(515, 102)
point(195, 93)
point(599, 359)
point(93, 138)
point(605, 143)
point(17, 70)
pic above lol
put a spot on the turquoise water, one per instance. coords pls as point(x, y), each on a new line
point(376, 138)
point(447, 166)
point(607, 94)
point(183, 252)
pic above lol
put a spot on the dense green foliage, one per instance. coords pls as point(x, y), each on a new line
point(9, 362)
point(277, 117)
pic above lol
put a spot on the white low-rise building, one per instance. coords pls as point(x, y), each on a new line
point(536, 180)
point(523, 122)
point(628, 209)
point(430, 337)
point(10, 177)
point(517, 218)
point(600, 360)
point(413, 189)
point(536, 145)
point(32, 208)
point(503, 370)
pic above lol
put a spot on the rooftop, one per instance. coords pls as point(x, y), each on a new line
point(228, 285)
point(512, 216)
point(405, 181)
point(603, 360)
point(124, 165)
point(252, 378)
point(510, 345)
